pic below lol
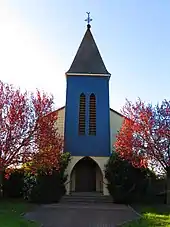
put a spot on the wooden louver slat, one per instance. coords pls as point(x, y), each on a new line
point(82, 114)
point(92, 115)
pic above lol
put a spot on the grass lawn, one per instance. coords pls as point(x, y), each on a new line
point(156, 216)
point(10, 214)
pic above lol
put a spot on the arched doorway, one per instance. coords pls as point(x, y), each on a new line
point(86, 176)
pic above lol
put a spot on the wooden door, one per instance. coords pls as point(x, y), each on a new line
point(86, 176)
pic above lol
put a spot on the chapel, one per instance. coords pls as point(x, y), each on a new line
point(86, 122)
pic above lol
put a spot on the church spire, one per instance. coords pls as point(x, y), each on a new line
point(88, 59)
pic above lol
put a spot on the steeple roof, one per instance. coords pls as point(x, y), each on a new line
point(88, 59)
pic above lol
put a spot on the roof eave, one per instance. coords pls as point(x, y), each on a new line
point(88, 74)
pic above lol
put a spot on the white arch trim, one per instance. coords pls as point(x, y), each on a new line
point(80, 158)
point(100, 161)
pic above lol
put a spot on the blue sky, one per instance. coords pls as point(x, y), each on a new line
point(39, 39)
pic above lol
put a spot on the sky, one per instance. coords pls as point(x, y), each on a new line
point(39, 39)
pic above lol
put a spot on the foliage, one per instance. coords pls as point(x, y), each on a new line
point(27, 130)
point(30, 182)
point(49, 143)
point(46, 185)
point(19, 120)
point(13, 184)
point(145, 134)
point(11, 214)
point(156, 192)
point(126, 183)
point(48, 188)
point(144, 138)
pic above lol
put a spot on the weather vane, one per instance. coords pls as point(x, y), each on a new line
point(88, 19)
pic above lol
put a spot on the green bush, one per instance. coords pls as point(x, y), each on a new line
point(13, 186)
point(30, 181)
point(126, 184)
point(47, 187)
point(156, 191)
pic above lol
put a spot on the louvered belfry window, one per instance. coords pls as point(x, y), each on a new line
point(92, 115)
point(82, 114)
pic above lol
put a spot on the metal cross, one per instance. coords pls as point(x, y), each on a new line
point(88, 18)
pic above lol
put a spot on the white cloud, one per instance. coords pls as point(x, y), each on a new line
point(25, 59)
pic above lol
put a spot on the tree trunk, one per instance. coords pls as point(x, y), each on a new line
point(168, 187)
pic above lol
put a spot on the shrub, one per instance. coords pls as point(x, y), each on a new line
point(13, 185)
point(29, 183)
point(156, 191)
point(47, 186)
point(126, 184)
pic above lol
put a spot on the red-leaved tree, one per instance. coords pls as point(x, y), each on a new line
point(144, 138)
point(24, 131)
point(49, 145)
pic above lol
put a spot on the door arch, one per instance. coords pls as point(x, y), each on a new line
point(86, 176)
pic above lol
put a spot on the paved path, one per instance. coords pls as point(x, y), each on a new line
point(82, 215)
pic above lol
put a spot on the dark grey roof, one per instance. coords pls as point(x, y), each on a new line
point(88, 58)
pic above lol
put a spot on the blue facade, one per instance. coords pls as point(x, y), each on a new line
point(87, 145)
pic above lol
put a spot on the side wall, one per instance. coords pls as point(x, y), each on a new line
point(60, 121)
point(115, 125)
point(101, 161)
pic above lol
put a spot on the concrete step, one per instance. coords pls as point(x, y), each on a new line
point(86, 198)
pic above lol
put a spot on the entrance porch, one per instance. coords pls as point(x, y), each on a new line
point(86, 175)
